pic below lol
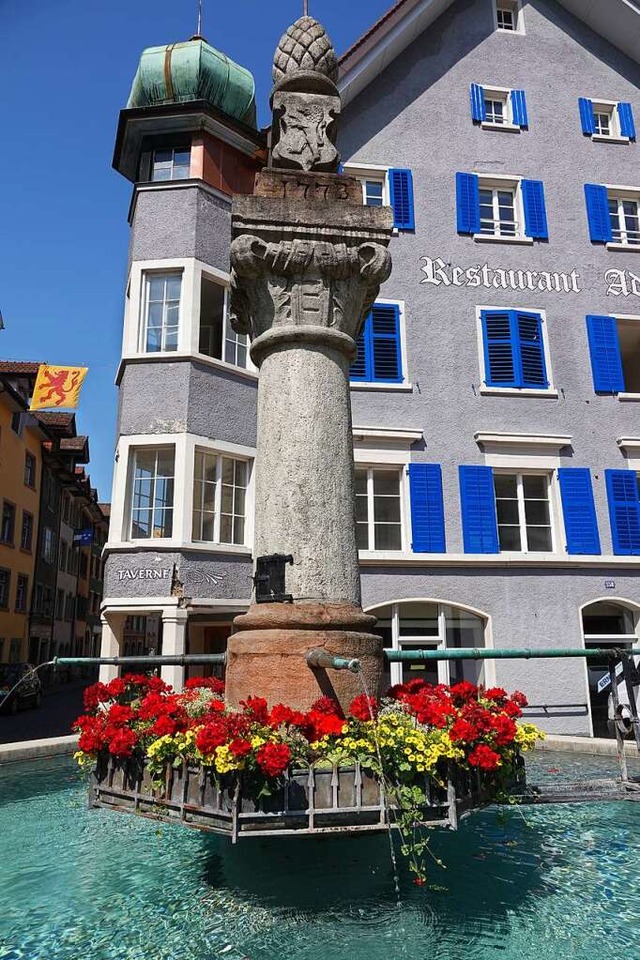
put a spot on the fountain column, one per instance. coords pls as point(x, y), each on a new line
point(307, 261)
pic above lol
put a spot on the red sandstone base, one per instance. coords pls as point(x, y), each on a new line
point(266, 657)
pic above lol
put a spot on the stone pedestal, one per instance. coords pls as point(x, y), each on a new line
point(307, 261)
point(267, 656)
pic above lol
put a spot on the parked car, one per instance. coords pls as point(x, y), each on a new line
point(27, 693)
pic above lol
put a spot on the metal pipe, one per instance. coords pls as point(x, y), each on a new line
point(481, 653)
point(182, 660)
point(324, 660)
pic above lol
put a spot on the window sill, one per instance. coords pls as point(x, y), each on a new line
point(509, 127)
point(362, 385)
point(628, 396)
point(371, 558)
point(159, 545)
point(626, 247)
point(489, 238)
point(601, 138)
point(517, 392)
point(178, 356)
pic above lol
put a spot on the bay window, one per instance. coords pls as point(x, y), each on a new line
point(161, 312)
point(217, 338)
point(219, 498)
point(152, 493)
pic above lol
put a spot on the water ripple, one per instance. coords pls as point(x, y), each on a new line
point(559, 883)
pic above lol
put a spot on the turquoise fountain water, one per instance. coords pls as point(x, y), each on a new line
point(75, 883)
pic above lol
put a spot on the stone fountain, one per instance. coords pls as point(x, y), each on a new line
point(307, 261)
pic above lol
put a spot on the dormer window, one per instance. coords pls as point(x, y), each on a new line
point(171, 164)
point(508, 16)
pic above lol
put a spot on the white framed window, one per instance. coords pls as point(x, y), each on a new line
point(160, 312)
point(496, 105)
point(379, 508)
point(524, 512)
point(607, 120)
point(625, 218)
point(171, 164)
point(500, 209)
point(183, 490)
point(604, 121)
point(151, 497)
point(435, 625)
point(219, 498)
point(217, 338)
point(508, 16)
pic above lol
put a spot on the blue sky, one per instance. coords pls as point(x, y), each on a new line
point(67, 67)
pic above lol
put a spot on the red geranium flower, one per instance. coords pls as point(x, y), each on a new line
point(240, 748)
point(205, 683)
point(119, 715)
point(463, 730)
point(122, 742)
point(273, 758)
point(256, 708)
point(364, 707)
point(329, 706)
point(95, 694)
point(212, 735)
point(519, 699)
point(484, 757)
point(505, 729)
point(495, 693)
point(116, 687)
point(464, 691)
point(164, 726)
point(281, 715)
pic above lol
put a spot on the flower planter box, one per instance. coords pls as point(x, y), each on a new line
point(346, 799)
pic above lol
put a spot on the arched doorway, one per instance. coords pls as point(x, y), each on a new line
point(607, 623)
point(431, 625)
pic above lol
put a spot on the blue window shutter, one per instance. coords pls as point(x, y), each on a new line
point(497, 338)
point(427, 508)
point(604, 348)
point(385, 343)
point(478, 503)
point(519, 108)
point(624, 511)
point(401, 196)
point(468, 203)
point(478, 109)
point(598, 213)
point(587, 117)
point(579, 511)
point(535, 213)
point(527, 332)
point(358, 369)
point(627, 126)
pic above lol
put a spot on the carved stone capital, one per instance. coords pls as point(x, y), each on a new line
point(304, 283)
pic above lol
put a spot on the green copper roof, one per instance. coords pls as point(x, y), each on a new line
point(193, 70)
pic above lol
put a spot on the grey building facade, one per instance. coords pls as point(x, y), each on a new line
point(495, 396)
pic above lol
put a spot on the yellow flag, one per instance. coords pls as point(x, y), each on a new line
point(57, 387)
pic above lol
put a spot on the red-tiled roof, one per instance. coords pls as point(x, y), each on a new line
point(53, 418)
point(73, 444)
point(19, 367)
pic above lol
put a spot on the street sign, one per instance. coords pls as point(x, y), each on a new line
point(605, 681)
